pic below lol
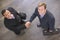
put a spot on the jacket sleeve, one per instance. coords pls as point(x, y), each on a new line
point(12, 10)
point(22, 15)
point(33, 15)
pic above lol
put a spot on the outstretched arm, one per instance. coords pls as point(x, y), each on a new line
point(32, 18)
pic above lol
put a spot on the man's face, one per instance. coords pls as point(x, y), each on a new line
point(7, 14)
point(41, 10)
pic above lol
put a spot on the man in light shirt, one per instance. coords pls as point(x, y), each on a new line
point(46, 18)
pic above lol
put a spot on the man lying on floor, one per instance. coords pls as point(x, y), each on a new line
point(14, 20)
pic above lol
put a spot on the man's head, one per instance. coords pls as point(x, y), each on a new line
point(6, 13)
point(41, 8)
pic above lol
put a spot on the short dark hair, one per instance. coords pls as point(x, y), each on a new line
point(3, 11)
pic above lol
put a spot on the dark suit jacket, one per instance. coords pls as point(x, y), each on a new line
point(48, 21)
point(13, 23)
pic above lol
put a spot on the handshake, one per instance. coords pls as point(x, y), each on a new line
point(27, 24)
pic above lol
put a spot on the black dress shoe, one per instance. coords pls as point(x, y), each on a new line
point(22, 32)
point(38, 25)
point(47, 33)
point(17, 33)
point(57, 31)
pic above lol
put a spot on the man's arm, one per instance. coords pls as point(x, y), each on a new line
point(22, 15)
point(33, 15)
point(32, 18)
point(12, 10)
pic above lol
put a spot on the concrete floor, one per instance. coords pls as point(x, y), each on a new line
point(33, 33)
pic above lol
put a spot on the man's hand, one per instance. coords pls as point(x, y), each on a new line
point(27, 24)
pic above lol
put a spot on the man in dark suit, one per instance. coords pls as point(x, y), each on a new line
point(13, 20)
point(46, 18)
